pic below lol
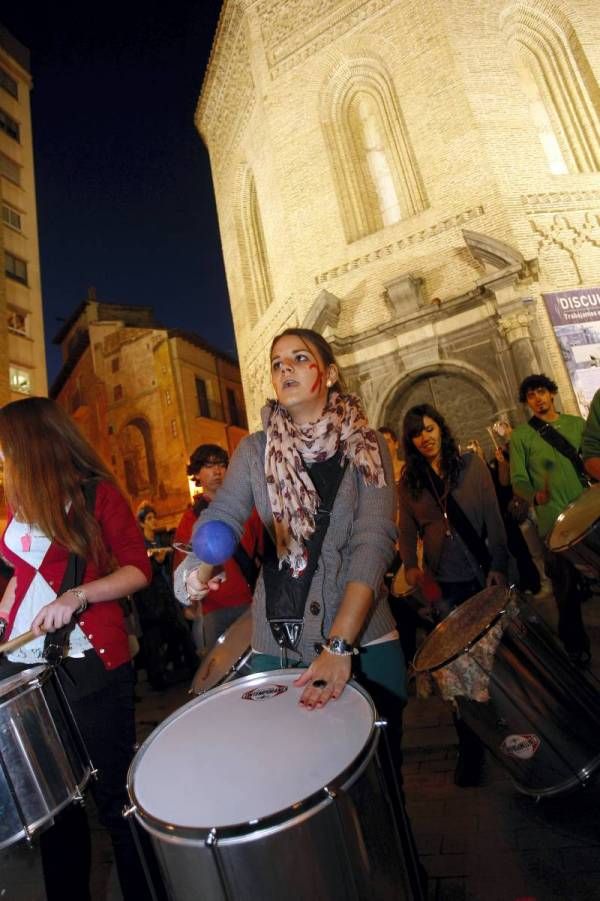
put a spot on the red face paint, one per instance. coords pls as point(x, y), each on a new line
point(316, 385)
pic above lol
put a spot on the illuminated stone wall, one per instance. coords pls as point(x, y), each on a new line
point(409, 178)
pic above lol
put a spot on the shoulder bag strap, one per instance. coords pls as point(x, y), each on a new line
point(462, 524)
point(562, 445)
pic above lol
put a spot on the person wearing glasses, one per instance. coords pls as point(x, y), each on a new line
point(218, 610)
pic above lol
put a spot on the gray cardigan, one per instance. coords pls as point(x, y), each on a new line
point(358, 546)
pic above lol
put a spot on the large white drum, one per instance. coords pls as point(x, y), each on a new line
point(247, 795)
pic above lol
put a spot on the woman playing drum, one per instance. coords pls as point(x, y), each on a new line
point(316, 451)
point(63, 501)
point(449, 500)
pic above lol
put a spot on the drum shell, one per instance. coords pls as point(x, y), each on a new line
point(344, 842)
point(576, 533)
point(537, 694)
point(542, 719)
point(43, 765)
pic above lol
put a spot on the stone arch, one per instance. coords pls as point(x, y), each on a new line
point(139, 460)
point(558, 80)
point(256, 272)
point(464, 395)
point(373, 165)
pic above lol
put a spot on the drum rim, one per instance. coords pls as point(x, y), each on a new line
point(510, 596)
point(322, 795)
point(27, 680)
point(563, 547)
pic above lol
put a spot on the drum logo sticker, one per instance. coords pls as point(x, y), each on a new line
point(264, 693)
point(522, 747)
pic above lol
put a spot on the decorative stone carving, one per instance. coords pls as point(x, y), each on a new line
point(292, 32)
point(403, 295)
point(568, 247)
point(515, 326)
point(557, 201)
point(409, 241)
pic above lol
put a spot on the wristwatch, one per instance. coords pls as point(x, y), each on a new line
point(339, 647)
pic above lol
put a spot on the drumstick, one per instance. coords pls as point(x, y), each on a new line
point(492, 436)
point(13, 643)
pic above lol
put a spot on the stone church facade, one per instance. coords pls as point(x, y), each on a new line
point(409, 178)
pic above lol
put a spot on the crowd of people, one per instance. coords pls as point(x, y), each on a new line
point(329, 514)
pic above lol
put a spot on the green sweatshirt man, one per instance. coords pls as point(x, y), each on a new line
point(536, 466)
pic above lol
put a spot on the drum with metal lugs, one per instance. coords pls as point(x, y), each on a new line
point(271, 801)
point(43, 763)
point(576, 533)
point(517, 690)
point(228, 658)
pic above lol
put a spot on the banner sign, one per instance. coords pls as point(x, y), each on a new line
point(575, 316)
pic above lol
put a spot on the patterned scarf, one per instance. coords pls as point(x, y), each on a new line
point(293, 498)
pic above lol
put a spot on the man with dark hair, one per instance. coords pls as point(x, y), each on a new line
point(547, 470)
point(219, 609)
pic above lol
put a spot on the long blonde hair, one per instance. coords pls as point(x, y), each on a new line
point(46, 462)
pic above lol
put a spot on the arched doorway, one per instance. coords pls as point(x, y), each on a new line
point(466, 406)
point(137, 453)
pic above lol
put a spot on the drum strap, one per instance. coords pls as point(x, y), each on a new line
point(285, 595)
point(562, 445)
point(56, 644)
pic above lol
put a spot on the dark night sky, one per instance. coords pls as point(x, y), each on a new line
point(124, 191)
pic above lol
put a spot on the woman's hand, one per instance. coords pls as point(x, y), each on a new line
point(495, 577)
point(57, 614)
point(334, 670)
point(414, 576)
point(197, 589)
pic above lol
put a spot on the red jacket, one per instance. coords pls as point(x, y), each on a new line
point(102, 623)
point(235, 589)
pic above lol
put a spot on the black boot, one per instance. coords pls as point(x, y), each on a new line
point(471, 756)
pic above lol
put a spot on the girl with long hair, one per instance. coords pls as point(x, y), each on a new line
point(448, 499)
point(62, 501)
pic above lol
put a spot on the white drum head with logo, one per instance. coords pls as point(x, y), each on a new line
point(246, 751)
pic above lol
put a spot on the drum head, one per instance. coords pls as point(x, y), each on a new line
point(575, 520)
point(230, 648)
point(461, 629)
point(15, 684)
point(246, 751)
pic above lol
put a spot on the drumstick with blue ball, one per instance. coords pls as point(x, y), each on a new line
point(213, 543)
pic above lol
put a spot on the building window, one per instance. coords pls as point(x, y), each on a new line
point(253, 248)
point(118, 392)
point(15, 268)
point(11, 218)
point(115, 364)
point(173, 428)
point(562, 91)
point(9, 126)
point(203, 407)
point(9, 169)
point(17, 322)
point(372, 161)
point(235, 416)
point(8, 83)
point(20, 380)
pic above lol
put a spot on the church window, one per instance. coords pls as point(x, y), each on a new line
point(373, 165)
point(563, 94)
point(253, 248)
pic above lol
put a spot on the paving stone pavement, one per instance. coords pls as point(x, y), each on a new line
point(489, 843)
